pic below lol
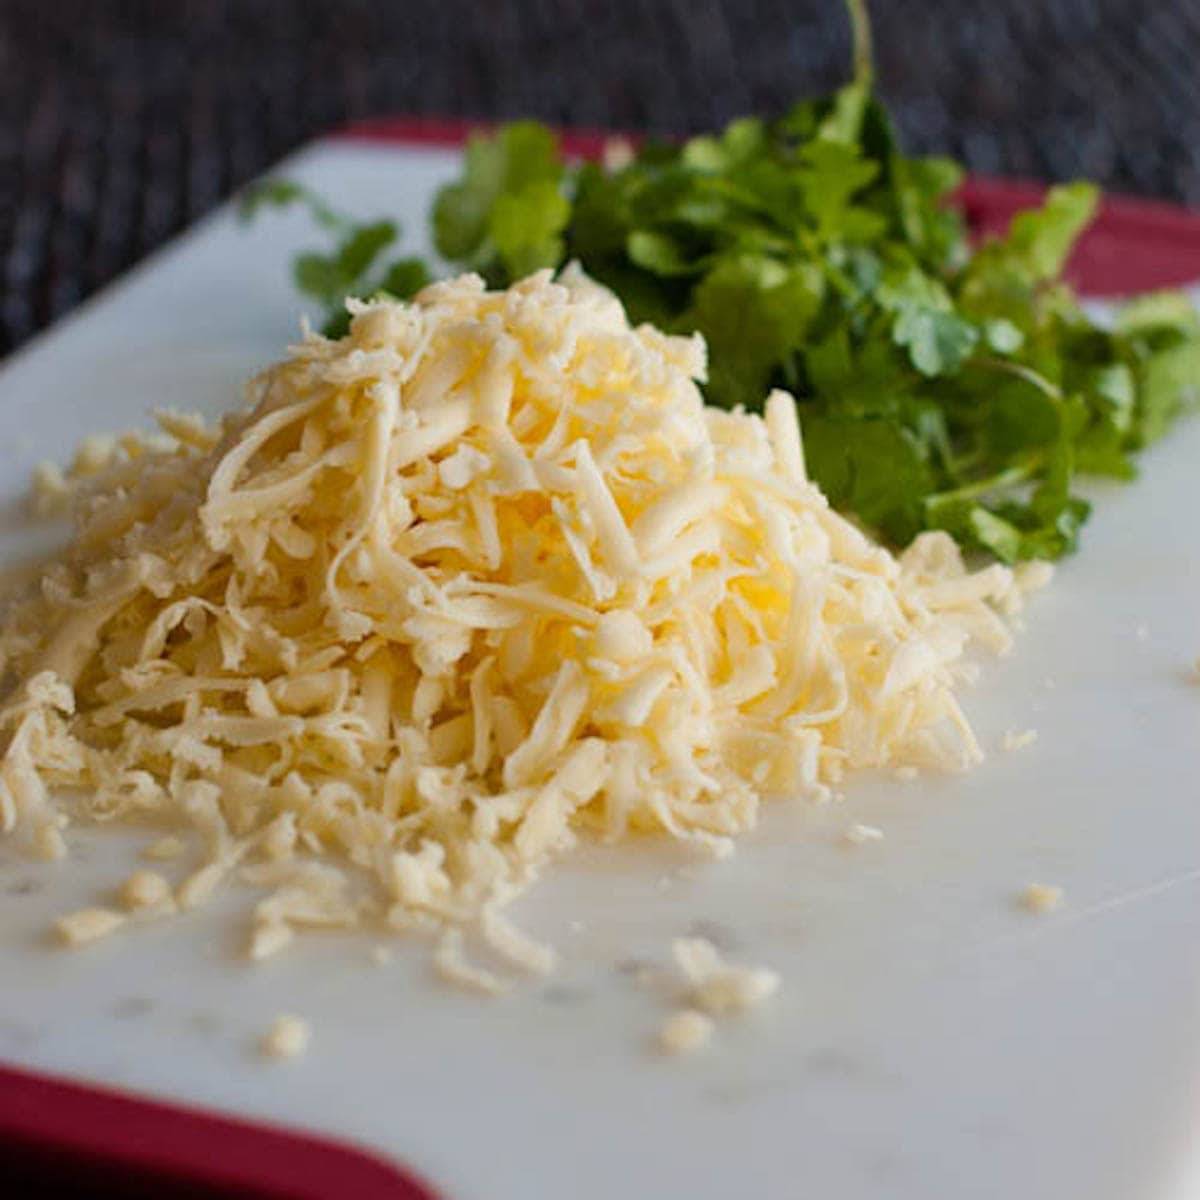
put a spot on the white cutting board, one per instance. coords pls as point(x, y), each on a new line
point(930, 1039)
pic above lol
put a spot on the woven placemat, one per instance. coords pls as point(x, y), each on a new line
point(121, 122)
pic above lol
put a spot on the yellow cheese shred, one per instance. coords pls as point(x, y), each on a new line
point(481, 577)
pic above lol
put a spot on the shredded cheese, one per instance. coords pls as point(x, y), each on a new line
point(268, 938)
point(87, 925)
point(48, 841)
point(164, 849)
point(145, 890)
point(716, 986)
point(454, 967)
point(50, 494)
point(685, 1032)
point(482, 577)
point(1019, 740)
point(857, 834)
point(1041, 897)
point(287, 1038)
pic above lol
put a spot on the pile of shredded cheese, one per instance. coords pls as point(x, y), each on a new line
point(482, 577)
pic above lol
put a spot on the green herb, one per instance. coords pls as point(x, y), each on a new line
point(938, 388)
point(354, 267)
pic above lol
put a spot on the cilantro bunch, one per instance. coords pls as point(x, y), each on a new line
point(938, 388)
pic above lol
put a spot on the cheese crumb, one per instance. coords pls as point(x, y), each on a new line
point(453, 966)
point(87, 925)
point(685, 1032)
point(145, 889)
point(857, 834)
point(1041, 897)
point(49, 842)
point(287, 1038)
point(268, 938)
point(164, 849)
point(381, 955)
point(50, 494)
point(717, 987)
point(1018, 741)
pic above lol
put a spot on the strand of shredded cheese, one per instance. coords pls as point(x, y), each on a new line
point(482, 576)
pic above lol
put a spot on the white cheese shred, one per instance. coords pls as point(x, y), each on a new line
point(858, 834)
point(685, 1032)
point(145, 890)
point(287, 1038)
point(1018, 740)
point(1041, 897)
point(454, 967)
point(717, 987)
point(87, 925)
point(479, 579)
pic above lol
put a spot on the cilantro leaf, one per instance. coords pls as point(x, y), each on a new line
point(1168, 384)
point(938, 340)
point(285, 193)
point(405, 278)
point(356, 263)
point(831, 173)
point(330, 278)
point(872, 466)
point(504, 181)
point(754, 314)
point(525, 227)
point(1041, 239)
point(359, 250)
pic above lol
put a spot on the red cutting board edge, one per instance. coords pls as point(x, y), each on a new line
point(75, 1135)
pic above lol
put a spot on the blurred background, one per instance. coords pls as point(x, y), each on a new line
point(122, 121)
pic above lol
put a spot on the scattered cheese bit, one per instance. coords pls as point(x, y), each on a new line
point(480, 578)
point(287, 1038)
point(685, 1032)
point(145, 889)
point(50, 494)
point(164, 849)
point(857, 834)
point(95, 452)
point(198, 888)
point(1041, 897)
point(87, 925)
point(717, 987)
point(381, 955)
point(268, 938)
point(453, 966)
point(49, 842)
point(506, 939)
point(906, 774)
point(1018, 741)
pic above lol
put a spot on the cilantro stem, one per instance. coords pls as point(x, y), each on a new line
point(864, 56)
point(1028, 374)
point(1009, 477)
